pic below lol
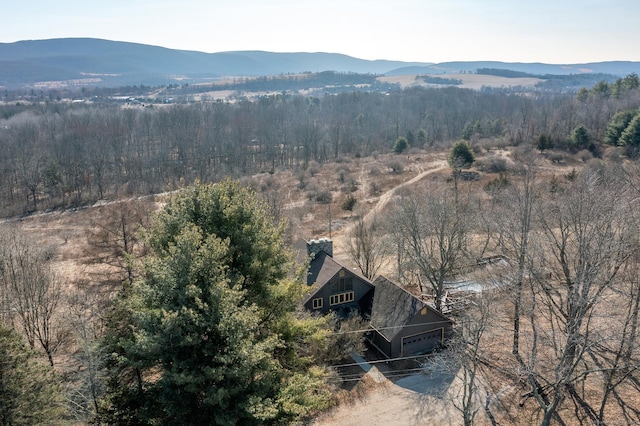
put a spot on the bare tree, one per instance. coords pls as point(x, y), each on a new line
point(114, 237)
point(432, 229)
point(34, 290)
point(29, 161)
point(88, 382)
point(585, 242)
point(367, 247)
point(514, 223)
point(616, 355)
point(465, 358)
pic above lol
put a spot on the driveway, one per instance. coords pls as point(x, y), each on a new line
point(420, 398)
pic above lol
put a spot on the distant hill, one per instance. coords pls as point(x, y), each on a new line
point(617, 68)
point(109, 63)
point(96, 62)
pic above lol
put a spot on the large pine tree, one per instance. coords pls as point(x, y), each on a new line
point(208, 334)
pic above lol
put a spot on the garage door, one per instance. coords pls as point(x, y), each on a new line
point(421, 343)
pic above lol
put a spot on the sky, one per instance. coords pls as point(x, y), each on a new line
point(549, 31)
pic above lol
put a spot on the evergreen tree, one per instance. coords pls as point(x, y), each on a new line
point(29, 392)
point(543, 142)
point(631, 81)
point(421, 138)
point(461, 156)
point(411, 138)
point(630, 137)
point(400, 145)
point(616, 126)
point(208, 334)
point(579, 138)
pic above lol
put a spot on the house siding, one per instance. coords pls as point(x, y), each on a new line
point(381, 343)
point(360, 289)
point(403, 325)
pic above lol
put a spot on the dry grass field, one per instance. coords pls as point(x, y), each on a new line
point(469, 81)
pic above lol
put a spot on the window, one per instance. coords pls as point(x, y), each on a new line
point(342, 284)
point(317, 303)
point(337, 299)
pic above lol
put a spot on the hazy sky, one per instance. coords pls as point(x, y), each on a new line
point(551, 31)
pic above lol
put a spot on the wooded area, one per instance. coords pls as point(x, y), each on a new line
point(67, 155)
point(199, 317)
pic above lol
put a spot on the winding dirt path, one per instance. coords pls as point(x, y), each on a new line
point(386, 197)
point(340, 237)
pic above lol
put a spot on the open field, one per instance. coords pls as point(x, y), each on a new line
point(469, 81)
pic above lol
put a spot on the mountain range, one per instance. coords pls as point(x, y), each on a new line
point(96, 62)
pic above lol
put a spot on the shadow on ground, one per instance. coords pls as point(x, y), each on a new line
point(432, 383)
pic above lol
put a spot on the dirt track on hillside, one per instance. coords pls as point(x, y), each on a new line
point(340, 238)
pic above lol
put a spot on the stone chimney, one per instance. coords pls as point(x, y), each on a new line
point(322, 244)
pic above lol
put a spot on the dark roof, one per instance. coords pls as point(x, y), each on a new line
point(394, 307)
point(322, 268)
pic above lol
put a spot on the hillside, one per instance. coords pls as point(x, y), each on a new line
point(87, 62)
point(111, 63)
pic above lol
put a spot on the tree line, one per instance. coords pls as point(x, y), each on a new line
point(64, 155)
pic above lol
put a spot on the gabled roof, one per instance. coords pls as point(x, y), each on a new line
point(322, 268)
point(394, 307)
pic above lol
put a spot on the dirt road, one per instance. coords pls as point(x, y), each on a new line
point(339, 238)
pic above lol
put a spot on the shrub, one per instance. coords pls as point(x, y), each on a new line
point(349, 187)
point(572, 175)
point(374, 189)
point(323, 197)
point(497, 184)
point(395, 166)
point(557, 157)
point(493, 164)
point(349, 203)
point(375, 171)
point(585, 155)
point(313, 168)
point(467, 176)
point(343, 171)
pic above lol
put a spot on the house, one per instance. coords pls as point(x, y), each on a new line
point(334, 287)
point(402, 324)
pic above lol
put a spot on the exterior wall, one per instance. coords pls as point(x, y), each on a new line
point(360, 288)
point(381, 343)
point(419, 325)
